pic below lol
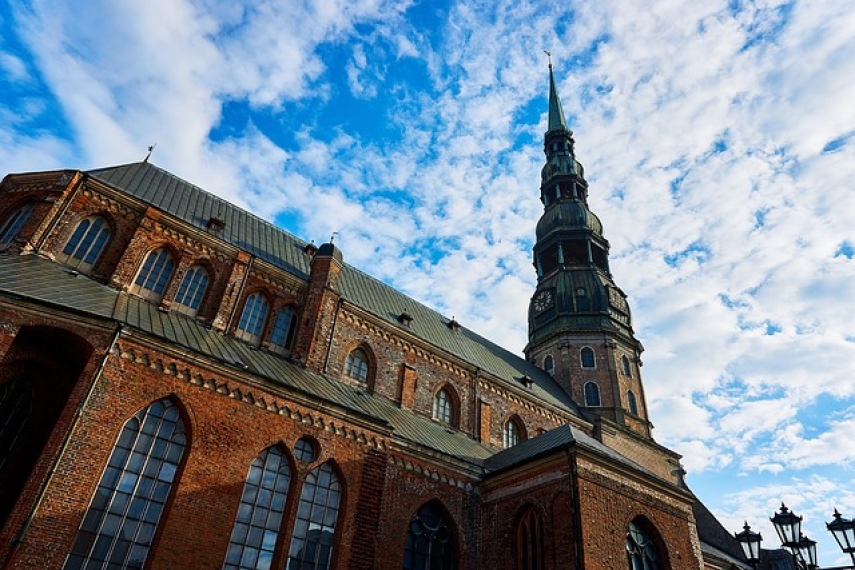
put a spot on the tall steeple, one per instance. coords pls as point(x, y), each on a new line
point(580, 325)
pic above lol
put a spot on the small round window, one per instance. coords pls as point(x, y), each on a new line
point(304, 450)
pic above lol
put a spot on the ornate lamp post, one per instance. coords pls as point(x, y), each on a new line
point(788, 526)
point(806, 552)
point(844, 532)
point(750, 543)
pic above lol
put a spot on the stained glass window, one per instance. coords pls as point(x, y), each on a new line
point(430, 541)
point(314, 531)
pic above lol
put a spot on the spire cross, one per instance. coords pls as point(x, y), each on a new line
point(549, 55)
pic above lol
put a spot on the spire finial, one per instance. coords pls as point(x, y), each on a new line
point(150, 150)
point(549, 55)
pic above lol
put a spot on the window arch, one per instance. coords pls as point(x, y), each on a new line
point(283, 330)
point(641, 547)
point(587, 357)
point(530, 541)
point(592, 394)
point(12, 225)
point(430, 540)
point(192, 289)
point(514, 432)
point(251, 324)
point(86, 243)
point(549, 365)
point(627, 369)
point(445, 406)
point(314, 531)
point(259, 516)
point(631, 402)
point(154, 275)
point(119, 526)
point(356, 366)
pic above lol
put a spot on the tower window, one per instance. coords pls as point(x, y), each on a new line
point(13, 224)
point(119, 526)
point(587, 358)
point(314, 530)
point(549, 365)
point(631, 403)
point(627, 369)
point(191, 290)
point(251, 323)
point(283, 331)
point(260, 512)
point(592, 395)
point(154, 275)
point(85, 244)
point(356, 366)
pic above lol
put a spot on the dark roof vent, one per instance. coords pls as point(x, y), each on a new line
point(215, 225)
point(311, 249)
point(405, 319)
point(526, 381)
point(453, 324)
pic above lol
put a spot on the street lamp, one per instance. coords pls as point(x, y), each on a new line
point(750, 543)
point(844, 532)
point(806, 549)
point(788, 526)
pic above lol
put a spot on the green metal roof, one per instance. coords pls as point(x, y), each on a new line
point(556, 113)
point(195, 206)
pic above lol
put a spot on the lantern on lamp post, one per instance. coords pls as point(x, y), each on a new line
point(843, 531)
point(750, 543)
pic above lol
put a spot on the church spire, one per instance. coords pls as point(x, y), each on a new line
point(556, 113)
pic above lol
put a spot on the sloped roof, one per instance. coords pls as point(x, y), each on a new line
point(243, 229)
point(33, 278)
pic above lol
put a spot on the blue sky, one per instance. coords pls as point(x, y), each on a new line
point(718, 139)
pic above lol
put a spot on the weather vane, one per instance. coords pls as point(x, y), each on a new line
point(150, 150)
point(332, 237)
point(549, 55)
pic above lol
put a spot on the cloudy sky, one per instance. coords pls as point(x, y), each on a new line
point(718, 138)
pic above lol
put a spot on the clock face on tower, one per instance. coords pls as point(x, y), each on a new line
point(542, 301)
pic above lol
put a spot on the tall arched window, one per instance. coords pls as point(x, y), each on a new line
point(631, 403)
point(191, 291)
point(314, 530)
point(587, 357)
point(641, 548)
point(283, 331)
point(86, 243)
point(251, 323)
point(356, 366)
point(259, 515)
point(12, 225)
point(430, 541)
point(530, 541)
point(443, 406)
point(119, 526)
point(154, 275)
point(627, 369)
point(513, 432)
point(549, 365)
point(592, 394)
point(16, 404)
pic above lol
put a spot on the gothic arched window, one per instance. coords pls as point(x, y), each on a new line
point(85, 244)
point(529, 541)
point(356, 366)
point(549, 365)
point(443, 406)
point(587, 357)
point(430, 541)
point(154, 275)
point(251, 323)
point(259, 517)
point(16, 403)
point(513, 432)
point(12, 225)
point(314, 530)
point(191, 290)
point(592, 394)
point(283, 330)
point(631, 403)
point(627, 369)
point(119, 526)
point(641, 549)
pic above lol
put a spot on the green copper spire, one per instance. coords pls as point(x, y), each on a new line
point(556, 113)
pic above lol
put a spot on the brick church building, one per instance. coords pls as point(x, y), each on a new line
point(185, 385)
